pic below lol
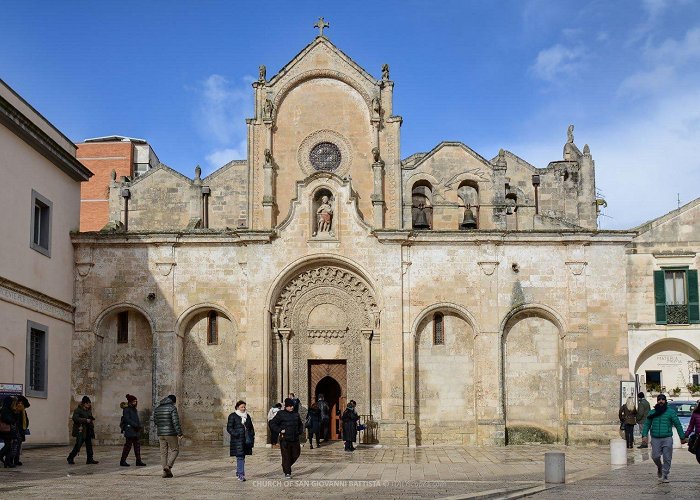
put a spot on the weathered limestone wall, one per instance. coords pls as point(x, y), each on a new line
point(228, 202)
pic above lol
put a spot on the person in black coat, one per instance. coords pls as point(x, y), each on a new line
point(9, 434)
point(22, 425)
point(313, 424)
point(290, 427)
point(131, 427)
point(349, 419)
point(240, 427)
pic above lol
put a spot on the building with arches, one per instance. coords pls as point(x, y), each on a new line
point(457, 299)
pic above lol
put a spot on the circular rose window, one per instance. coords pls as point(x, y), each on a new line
point(325, 156)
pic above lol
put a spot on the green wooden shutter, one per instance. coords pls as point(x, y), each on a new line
point(693, 308)
point(660, 297)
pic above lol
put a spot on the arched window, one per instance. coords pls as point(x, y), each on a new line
point(438, 329)
point(212, 328)
point(123, 327)
point(422, 205)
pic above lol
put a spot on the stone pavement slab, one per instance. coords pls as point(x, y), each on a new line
point(326, 472)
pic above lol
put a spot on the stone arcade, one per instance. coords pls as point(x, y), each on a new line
point(457, 299)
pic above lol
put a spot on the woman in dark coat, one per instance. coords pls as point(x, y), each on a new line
point(240, 427)
point(349, 419)
point(313, 424)
point(9, 437)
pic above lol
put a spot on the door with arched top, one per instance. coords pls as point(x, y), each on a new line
point(329, 377)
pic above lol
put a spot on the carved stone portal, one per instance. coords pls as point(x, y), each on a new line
point(327, 308)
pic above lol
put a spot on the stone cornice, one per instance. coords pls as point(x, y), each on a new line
point(26, 130)
point(28, 298)
point(172, 238)
point(503, 237)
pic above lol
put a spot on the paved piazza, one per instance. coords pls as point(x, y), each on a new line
point(329, 472)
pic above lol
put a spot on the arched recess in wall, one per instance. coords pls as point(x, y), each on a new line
point(7, 365)
point(444, 375)
point(125, 363)
point(422, 205)
point(672, 360)
point(212, 377)
point(532, 376)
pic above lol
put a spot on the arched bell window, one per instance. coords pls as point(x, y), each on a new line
point(422, 205)
point(438, 329)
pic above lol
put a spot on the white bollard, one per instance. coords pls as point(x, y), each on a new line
point(618, 452)
point(554, 467)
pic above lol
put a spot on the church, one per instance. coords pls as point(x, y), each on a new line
point(458, 299)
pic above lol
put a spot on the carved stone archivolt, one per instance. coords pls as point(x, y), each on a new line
point(329, 309)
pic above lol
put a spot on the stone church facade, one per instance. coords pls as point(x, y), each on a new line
point(457, 299)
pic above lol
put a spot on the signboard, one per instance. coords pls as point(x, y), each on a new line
point(627, 389)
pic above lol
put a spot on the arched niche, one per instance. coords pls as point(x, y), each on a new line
point(323, 214)
point(422, 205)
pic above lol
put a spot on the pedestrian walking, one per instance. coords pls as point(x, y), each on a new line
point(628, 419)
point(290, 427)
point(8, 431)
point(22, 426)
point(643, 408)
point(83, 431)
point(131, 427)
point(692, 433)
point(274, 436)
point(296, 402)
point(240, 427)
point(325, 416)
point(660, 424)
point(313, 425)
point(169, 432)
point(349, 419)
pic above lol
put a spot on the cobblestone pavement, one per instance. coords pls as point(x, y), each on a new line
point(328, 472)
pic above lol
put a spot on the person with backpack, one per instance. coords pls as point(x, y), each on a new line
point(693, 431)
point(660, 423)
point(83, 431)
point(169, 431)
point(643, 409)
point(325, 416)
point(313, 424)
point(130, 425)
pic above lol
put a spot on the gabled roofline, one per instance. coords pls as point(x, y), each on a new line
point(115, 138)
point(649, 225)
point(223, 169)
point(316, 41)
point(160, 166)
point(443, 144)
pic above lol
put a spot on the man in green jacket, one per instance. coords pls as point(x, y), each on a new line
point(83, 430)
point(661, 421)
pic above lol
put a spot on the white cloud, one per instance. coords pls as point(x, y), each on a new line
point(220, 117)
point(644, 82)
point(558, 62)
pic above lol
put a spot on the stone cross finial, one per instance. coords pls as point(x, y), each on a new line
point(320, 25)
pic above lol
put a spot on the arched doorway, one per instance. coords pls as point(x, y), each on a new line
point(666, 365)
point(333, 394)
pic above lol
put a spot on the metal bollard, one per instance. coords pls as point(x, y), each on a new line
point(554, 467)
point(618, 452)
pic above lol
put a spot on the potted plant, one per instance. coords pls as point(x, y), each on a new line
point(653, 388)
point(676, 392)
point(694, 389)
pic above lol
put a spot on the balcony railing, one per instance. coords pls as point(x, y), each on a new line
point(677, 314)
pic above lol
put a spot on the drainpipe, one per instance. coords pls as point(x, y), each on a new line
point(206, 191)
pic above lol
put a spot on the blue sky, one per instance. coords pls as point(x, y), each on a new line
point(510, 74)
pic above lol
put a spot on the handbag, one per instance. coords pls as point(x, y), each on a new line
point(5, 427)
point(693, 443)
point(361, 427)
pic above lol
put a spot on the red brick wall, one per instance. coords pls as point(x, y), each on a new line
point(101, 158)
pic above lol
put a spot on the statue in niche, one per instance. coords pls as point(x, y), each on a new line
point(570, 134)
point(268, 157)
point(262, 71)
point(376, 108)
point(385, 72)
point(375, 155)
point(267, 109)
point(324, 217)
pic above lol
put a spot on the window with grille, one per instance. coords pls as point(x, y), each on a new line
point(37, 360)
point(123, 327)
point(41, 224)
point(676, 296)
point(438, 329)
point(212, 328)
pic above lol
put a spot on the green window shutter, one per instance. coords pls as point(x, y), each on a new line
point(660, 297)
point(693, 308)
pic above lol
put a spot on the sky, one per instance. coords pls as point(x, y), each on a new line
point(508, 74)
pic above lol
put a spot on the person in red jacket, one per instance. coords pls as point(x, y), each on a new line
point(694, 427)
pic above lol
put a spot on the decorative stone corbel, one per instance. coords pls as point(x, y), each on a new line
point(577, 267)
point(488, 266)
point(84, 268)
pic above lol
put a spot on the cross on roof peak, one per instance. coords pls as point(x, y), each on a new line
point(320, 25)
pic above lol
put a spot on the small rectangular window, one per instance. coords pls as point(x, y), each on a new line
point(212, 328)
point(37, 360)
point(123, 327)
point(41, 224)
point(438, 330)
